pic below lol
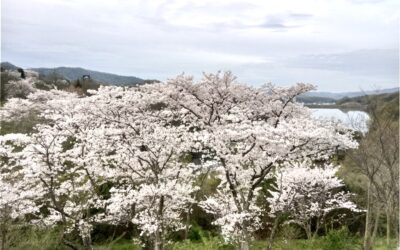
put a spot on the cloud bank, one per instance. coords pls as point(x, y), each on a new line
point(338, 45)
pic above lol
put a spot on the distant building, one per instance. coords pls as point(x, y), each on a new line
point(22, 72)
point(86, 77)
point(150, 81)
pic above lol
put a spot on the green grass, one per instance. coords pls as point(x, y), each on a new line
point(380, 244)
point(21, 238)
point(120, 245)
point(280, 244)
point(206, 244)
point(34, 239)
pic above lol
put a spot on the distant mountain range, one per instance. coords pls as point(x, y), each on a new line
point(337, 96)
point(70, 73)
point(8, 66)
point(101, 77)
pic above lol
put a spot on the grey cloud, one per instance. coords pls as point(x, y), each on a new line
point(217, 8)
point(280, 22)
point(301, 16)
point(131, 40)
point(325, 80)
point(366, 1)
point(381, 62)
point(276, 23)
point(234, 9)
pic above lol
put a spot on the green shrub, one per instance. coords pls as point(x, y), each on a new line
point(214, 243)
point(119, 245)
point(33, 238)
point(339, 239)
point(290, 232)
point(195, 234)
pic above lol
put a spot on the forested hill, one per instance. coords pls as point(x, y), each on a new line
point(387, 100)
point(8, 66)
point(330, 97)
point(337, 96)
point(101, 77)
point(363, 100)
point(356, 98)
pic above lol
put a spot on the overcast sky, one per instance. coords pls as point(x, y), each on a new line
point(339, 45)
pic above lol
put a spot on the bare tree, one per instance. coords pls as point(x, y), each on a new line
point(377, 159)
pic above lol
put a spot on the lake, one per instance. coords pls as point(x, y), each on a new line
point(357, 120)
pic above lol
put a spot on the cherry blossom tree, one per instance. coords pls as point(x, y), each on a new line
point(119, 136)
point(59, 185)
point(249, 131)
point(16, 86)
point(138, 145)
point(52, 169)
point(17, 200)
point(20, 88)
point(35, 102)
point(307, 194)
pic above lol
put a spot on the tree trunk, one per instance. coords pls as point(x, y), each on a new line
point(317, 228)
point(396, 225)
point(244, 241)
point(187, 226)
point(307, 228)
point(87, 243)
point(272, 235)
point(388, 222)
point(69, 244)
point(158, 244)
point(376, 224)
point(3, 237)
point(366, 243)
point(244, 245)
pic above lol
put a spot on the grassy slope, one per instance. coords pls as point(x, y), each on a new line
point(212, 244)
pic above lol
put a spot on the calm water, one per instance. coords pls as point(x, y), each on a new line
point(357, 120)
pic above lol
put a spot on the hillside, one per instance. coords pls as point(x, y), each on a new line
point(8, 66)
point(355, 103)
point(327, 96)
point(363, 100)
point(101, 77)
point(315, 99)
point(388, 100)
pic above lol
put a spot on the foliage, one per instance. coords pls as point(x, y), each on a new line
point(340, 239)
point(385, 100)
point(375, 164)
point(6, 78)
point(29, 237)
